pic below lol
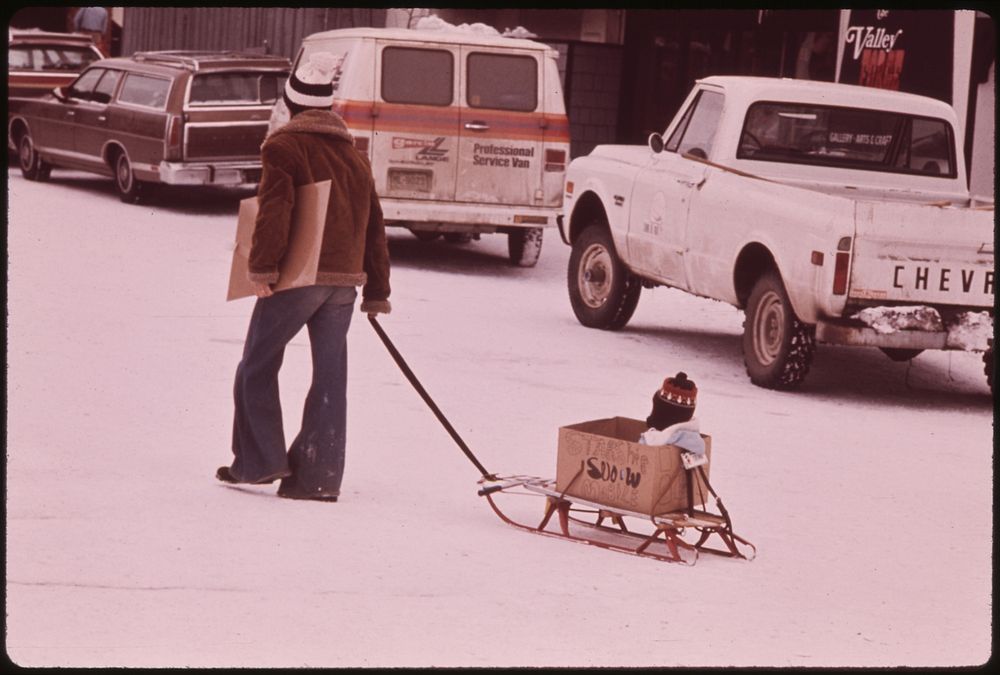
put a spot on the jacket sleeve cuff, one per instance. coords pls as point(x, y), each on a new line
point(263, 277)
point(376, 306)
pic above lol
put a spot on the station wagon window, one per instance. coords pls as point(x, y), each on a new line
point(854, 138)
point(502, 81)
point(418, 76)
point(105, 88)
point(83, 86)
point(696, 132)
point(67, 58)
point(145, 91)
point(236, 88)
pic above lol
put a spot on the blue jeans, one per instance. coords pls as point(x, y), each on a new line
point(316, 456)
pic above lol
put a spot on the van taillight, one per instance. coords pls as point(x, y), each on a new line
point(555, 160)
point(361, 143)
point(174, 137)
point(841, 266)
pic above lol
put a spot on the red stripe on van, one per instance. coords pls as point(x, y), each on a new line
point(445, 120)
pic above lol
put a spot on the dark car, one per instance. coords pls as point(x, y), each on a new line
point(38, 61)
point(177, 117)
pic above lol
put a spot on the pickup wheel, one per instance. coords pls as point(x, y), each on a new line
point(602, 291)
point(988, 365)
point(524, 245)
point(33, 167)
point(777, 347)
point(131, 190)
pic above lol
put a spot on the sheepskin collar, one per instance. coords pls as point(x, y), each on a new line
point(316, 122)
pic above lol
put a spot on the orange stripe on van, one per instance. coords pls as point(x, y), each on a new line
point(445, 120)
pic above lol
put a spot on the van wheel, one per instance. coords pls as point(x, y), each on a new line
point(33, 167)
point(130, 189)
point(425, 235)
point(898, 354)
point(602, 291)
point(524, 245)
point(777, 347)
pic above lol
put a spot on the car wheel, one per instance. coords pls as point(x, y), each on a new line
point(899, 354)
point(777, 347)
point(130, 189)
point(33, 167)
point(524, 245)
point(602, 291)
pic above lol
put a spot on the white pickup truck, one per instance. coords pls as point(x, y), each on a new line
point(827, 212)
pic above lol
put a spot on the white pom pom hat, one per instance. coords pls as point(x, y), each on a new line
point(311, 85)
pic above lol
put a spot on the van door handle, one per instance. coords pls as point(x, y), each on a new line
point(476, 125)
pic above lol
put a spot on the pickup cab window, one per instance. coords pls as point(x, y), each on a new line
point(696, 132)
point(853, 138)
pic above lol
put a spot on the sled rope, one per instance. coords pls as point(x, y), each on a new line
point(398, 358)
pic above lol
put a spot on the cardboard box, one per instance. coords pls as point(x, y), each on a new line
point(612, 468)
point(301, 261)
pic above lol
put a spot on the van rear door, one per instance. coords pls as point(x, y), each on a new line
point(414, 144)
point(502, 124)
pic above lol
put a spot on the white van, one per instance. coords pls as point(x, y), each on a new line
point(467, 134)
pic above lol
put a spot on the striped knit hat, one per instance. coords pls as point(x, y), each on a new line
point(311, 85)
point(674, 402)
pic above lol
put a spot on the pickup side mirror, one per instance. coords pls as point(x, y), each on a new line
point(656, 142)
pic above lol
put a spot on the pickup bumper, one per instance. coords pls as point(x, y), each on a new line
point(448, 216)
point(214, 173)
point(971, 333)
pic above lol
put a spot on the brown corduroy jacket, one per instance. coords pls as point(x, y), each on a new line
point(315, 146)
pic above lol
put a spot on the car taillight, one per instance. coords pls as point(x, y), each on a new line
point(841, 266)
point(555, 160)
point(174, 138)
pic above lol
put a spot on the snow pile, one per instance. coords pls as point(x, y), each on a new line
point(971, 331)
point(434, 22)
point(887, 320)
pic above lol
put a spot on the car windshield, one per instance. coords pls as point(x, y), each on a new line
point(249, 88)
point(847, 137)
point(50, 57)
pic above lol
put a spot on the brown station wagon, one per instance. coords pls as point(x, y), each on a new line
point(39, 61)
point(178, 118)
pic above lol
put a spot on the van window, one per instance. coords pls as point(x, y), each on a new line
point(417, 76)
point(502, 81)
point(149, 92)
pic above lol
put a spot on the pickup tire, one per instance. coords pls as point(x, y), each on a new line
point(33, 167)
point(602, 291)
point(524, 245)
point(988, 365)
point(777, 347)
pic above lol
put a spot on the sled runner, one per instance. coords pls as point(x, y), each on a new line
point(664, 542)
point(664, 539)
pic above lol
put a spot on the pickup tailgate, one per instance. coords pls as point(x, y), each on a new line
point(922, 255)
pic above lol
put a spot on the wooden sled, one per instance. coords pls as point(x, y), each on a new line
point(666, 541)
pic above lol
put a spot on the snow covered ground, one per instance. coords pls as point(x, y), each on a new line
point(868, 492)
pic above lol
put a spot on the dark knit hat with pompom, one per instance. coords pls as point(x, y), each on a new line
point(674, 402)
